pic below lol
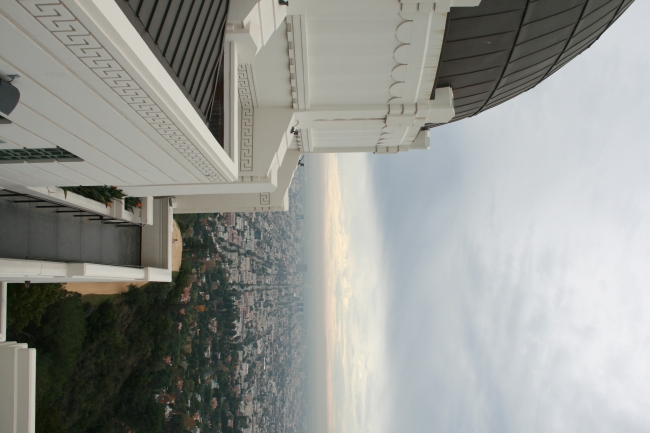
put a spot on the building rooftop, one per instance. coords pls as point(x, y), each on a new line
point(502, 48)
point(187, 38)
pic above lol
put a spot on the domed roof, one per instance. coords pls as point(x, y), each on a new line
point(502, 48)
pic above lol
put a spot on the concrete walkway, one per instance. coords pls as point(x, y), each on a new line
point(41, 231)
point(114, 288)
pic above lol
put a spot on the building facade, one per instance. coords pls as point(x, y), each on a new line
point(211, 104)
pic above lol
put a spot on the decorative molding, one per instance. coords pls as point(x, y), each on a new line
point(60, 21)
point(296, 36)
point(247, 102)
point(413, 74)
point(292, 64)
point(299, 140)
point(246, 82)
point(265, 199)
point(251, 26)
point(401, 56)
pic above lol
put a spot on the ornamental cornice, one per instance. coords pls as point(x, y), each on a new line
point(247, 102)
point(66, 27)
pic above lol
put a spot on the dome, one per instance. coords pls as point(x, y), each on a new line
point(502, 48)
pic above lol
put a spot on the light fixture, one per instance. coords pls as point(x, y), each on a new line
point(9, 96)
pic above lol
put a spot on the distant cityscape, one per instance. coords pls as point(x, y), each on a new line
point(262, 256)
point(219, 349)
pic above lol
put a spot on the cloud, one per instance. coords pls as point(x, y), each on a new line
point(517, 252)
point(356, 285)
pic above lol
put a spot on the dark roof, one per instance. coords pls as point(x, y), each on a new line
point(500, 49)
point(187, 38)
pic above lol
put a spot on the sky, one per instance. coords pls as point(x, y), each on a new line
point(498, 282)
point(348, 303)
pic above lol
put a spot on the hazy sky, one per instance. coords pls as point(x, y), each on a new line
point(500, 282)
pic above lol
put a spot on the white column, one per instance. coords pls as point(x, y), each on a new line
point(17, 388)
point(17, 379)
point(156, 238)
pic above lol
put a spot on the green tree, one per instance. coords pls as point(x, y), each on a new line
point(176, 423)
point(59, 341)
point(25, 305)
point(188, 386)
point(49, 420)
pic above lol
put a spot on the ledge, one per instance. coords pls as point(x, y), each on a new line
point(37, 271)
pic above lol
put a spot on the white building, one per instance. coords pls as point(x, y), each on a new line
point(209, 106)
point(169, 99)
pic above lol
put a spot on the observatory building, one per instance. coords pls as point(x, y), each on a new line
point(208, 105)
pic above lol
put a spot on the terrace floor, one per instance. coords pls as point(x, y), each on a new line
point(42, 231)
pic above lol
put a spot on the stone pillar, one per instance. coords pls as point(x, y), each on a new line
point(17, 379)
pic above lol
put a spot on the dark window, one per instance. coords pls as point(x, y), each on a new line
point(36, 155)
